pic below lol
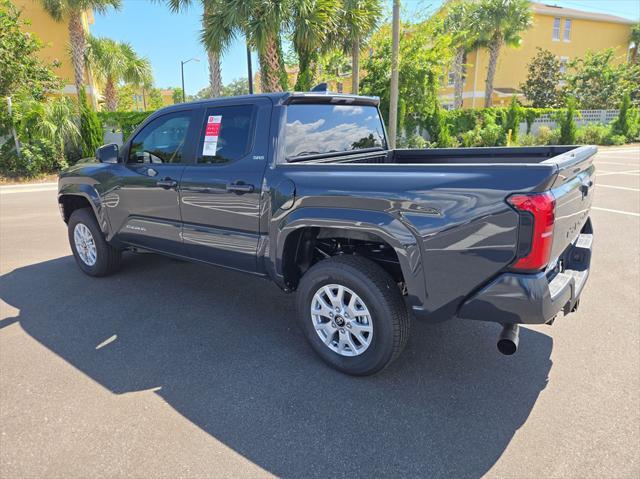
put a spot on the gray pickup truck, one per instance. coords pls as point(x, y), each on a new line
point(302, 189)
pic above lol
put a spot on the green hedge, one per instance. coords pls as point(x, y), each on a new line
point(125, 121)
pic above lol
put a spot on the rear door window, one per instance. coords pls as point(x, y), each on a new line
point(227, 134)
point(315, 129)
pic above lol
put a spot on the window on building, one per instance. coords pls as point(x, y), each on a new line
point(563, 65)
point(451, 78)
point(567, 29)
point(556, 29)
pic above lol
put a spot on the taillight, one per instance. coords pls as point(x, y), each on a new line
point(537, 216)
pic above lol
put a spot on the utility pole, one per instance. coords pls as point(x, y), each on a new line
point(395, 47)
point(249, 69)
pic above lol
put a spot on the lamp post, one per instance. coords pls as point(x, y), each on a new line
point(182, 63)
point(249, 69)
point(395, 48)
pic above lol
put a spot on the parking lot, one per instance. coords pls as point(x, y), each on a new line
point(171, 369)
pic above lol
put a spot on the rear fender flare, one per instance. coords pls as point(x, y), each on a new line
point(387, 227)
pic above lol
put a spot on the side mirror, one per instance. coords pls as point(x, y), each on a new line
point(107, 153)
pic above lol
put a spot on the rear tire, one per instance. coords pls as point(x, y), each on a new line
point(361, 346)
point(91, 251)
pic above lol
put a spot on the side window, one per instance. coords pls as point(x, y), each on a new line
point(162, 140)
point(227, 133)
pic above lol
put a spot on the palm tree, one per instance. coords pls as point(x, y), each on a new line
point(358, 20)
point(72, 10)
point(260, 21)
point(500, 22)
point(313, 24)
point(458, 23)
point(114, 62)
point(213, 56)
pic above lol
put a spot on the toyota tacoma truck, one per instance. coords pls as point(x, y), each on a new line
point(302, 189)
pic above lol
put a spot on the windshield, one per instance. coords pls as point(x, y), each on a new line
point(314, 129)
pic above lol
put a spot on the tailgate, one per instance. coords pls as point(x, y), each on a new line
point(573, 191)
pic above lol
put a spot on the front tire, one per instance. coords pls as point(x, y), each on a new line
point(92, 253)
point(352, 313)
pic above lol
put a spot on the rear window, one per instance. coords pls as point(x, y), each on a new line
point(320, 129)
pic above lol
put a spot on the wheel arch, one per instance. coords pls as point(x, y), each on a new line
point(347, 223)
point(75, 196)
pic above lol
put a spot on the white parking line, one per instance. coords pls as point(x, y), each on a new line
point(13, 189)
point(626, 172)
point(628, 213)
point(612, 163)
point(600, 185)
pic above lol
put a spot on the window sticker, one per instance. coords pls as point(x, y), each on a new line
point(211, 135)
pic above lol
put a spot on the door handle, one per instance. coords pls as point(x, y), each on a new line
point(240, 188)
point(167, 183)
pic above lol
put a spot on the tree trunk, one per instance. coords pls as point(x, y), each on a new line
point(110, 95)
point(270, 66)
point(78, 45)
point(494, 53)
point(458, 78)
point(355, 66)
point(215, 74)
point(305, 75)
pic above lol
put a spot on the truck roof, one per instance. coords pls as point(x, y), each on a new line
point(284, 98)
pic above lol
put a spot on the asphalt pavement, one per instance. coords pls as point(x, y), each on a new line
point(170, 369)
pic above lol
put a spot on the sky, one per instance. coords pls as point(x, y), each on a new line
point(166, 38)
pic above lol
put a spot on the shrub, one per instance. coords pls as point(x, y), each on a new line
point(512, 120)
point(438, 128)
point(615, 140)
point(622, 125)
point(37, 157)
point(592, 134)
point(528, 140)
point(125, 121)
point(547, 136)
point(91, 132)
point(414, 141)
point(568, 124)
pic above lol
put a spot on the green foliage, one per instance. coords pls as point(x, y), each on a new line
point(176, 96)
point(314, 23)
point(512, 120)
point(593, 134)
point(414, 141)
point(91, 133)
point(543, 77)
point(596, 81)
point(547, 136)
point(154, 99)
point(437, 127)
point(125, 121)
point(566, 120)
point(616, 140)
point(23, 72)
point(424, 53)
point(622, 125)
point(527, 140)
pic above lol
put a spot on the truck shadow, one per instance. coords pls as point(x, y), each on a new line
point(223, 349)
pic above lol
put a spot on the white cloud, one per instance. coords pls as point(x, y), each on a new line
point(305, 138)
point(348, 110)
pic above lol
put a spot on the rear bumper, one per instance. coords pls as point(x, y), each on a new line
point(533, 298)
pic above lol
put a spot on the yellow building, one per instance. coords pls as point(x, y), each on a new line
point(55, 37)
point(566, 32)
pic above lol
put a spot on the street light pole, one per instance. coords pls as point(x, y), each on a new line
point(249, 69)
point(393, 101)
point(182, 63)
